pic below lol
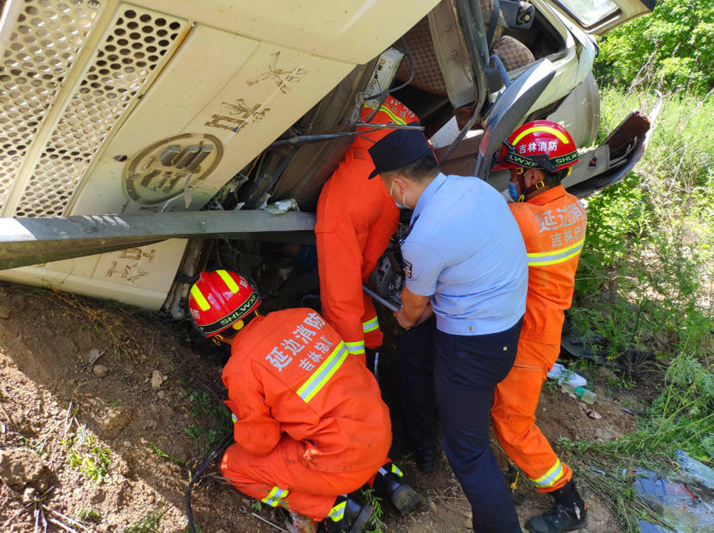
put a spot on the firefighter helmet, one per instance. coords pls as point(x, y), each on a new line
point(219, 299)
point(539, 144)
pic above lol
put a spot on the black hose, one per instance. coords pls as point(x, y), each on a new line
point(218, 450)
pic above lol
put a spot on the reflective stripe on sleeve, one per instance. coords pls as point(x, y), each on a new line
point(200, 299)
point(390, 113)
point(323, 373)
point(557, 256)
point(228, 280)
point(355, 348)
point(370, 325)
point(337, 513)
point(275, 497)
point(550, 477)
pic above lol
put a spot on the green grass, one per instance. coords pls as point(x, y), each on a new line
point(645, 285)
point(211, 421)
point(149, 523)
point(84, 453)
point(375, 524)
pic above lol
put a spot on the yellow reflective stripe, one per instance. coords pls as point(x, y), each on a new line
point(324, 372)
point(275, 496)
point(200, 299)
point(355, 347)
point(546, 129)
point(228, 280)
point(370, 325)
point(234, 418)
point(395, 470)
point(390, 113)
point(550, 477)
point(556, 256)
point(337, 513)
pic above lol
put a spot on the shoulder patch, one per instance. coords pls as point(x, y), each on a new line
point(407, 268)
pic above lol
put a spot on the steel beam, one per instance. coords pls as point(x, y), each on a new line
point(28, 241)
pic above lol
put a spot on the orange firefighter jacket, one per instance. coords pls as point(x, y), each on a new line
point(356, 217)
point(290, 373)
point(553, 226)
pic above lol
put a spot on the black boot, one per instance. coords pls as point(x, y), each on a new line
point(348, 515)
point(426, 460)
point(568, 513)
point(389, 485)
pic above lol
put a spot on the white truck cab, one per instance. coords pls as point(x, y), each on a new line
point(128, 130)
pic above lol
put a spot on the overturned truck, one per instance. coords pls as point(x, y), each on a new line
point(131, 134)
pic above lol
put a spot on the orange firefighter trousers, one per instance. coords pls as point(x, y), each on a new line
point(553, 225)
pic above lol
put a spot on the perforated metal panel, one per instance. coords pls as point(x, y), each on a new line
point(46, 38)
point(134, 45)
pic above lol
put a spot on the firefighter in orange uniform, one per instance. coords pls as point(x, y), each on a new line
point(356, 217)
point(539, 155)
point(309, 422)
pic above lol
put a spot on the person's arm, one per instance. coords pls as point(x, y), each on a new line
point(415, 309)
point(422, 269)
point(254, 428)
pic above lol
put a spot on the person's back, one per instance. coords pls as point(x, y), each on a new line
point(553, 226)
point(292, 373)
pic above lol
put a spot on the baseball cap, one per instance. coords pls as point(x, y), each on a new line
point(399, 149)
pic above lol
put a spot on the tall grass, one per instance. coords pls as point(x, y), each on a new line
point(646, 280)
point(645, 285)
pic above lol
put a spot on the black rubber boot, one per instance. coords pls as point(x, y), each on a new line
point(567, 514)
point(425, 459)
point(348, 518)
point(389, 485)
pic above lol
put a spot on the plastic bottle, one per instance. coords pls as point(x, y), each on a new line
point(579, 392)
point(560, 373)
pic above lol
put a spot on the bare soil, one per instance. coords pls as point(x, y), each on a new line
point(103, 445)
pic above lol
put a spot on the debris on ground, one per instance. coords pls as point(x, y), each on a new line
point(684, 499)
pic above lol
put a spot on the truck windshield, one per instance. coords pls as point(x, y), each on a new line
point(589, 12)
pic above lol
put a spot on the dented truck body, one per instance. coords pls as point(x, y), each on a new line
point(132, 131)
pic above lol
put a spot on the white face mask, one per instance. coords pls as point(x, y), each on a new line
point(403, 205)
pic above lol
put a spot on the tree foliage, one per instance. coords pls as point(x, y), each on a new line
point(674, 45)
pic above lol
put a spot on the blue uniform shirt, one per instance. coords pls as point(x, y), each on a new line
point(464, 250)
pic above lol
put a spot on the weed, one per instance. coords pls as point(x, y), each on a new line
point(165, 455)
point(151, 522)
point(375, 524)
point(212, 421)
point(256, 506)
point(88, 514)
point(85, 454)
point(114, 403)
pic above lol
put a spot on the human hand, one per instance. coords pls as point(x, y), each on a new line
point(402, 319)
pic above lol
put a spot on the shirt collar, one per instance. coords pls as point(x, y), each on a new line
point(547, 196)
point(430, 191)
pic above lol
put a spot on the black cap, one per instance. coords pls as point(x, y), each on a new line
point(399, 149)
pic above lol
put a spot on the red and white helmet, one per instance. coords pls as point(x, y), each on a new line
point(538, 144)
point(219, 299)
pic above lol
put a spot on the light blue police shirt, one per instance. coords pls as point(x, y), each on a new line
point(464, 250)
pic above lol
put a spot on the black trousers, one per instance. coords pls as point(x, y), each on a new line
point(462, 373)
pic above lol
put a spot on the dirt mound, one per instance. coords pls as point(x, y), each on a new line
point(105, 411)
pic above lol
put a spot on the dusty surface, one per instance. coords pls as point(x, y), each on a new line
point(105, 411)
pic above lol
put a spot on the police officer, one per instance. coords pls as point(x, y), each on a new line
point(464, 258)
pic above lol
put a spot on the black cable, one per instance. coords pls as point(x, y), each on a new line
point(218, 450)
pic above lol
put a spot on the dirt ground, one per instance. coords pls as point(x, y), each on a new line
point(108, 444)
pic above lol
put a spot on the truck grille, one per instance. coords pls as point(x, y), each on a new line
point(134, 45)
